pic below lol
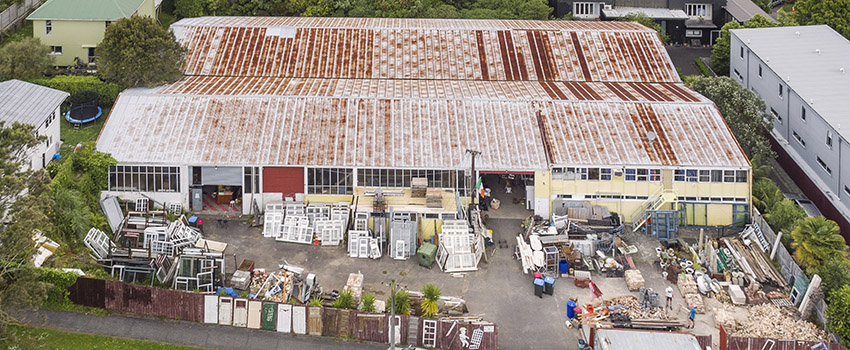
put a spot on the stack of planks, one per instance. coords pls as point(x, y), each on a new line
point(689, 290)
point(434, 198)
point(754, 263)
point(418, 187)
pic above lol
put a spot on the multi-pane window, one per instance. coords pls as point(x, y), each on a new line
point(775, 115)
point(823, 165)
point(48, 27)
point(144, 178)
point(330, 181)
point(55, 50)
point(695, 175)
point(698, 10)
point(400, 178)
point(643, 174)
point(252, 180)
point(50, 119)
point(591, 173)
point(584, 8)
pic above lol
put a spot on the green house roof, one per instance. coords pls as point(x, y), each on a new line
point(85, 10)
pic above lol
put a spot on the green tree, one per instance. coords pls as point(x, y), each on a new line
point(367, 302)
point(838, 312)
point(24, 60)
point(835, 272)
point(720, 51)
point(136, 51)
point(188, 8)
point(430, 305)
point(784, 215)
point(23, 203)
point(649, 23)
point(815, 240)
point(834, 13)
point(743, 111)
point(345, 300)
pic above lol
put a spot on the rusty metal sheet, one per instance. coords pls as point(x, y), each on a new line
point(433, 49)
point(599, 133)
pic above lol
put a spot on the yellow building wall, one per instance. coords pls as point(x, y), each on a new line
point(76, 37)
point(328, 198)
point(717, 214)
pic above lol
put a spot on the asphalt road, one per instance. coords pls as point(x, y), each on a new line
point(181, 332)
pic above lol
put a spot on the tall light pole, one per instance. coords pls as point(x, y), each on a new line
point(392, 314)
point(473, 181)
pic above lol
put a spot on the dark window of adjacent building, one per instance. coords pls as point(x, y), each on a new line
point(802, 109)
point(799, 139)
point(741, 176)
point(759, 71)
point(48, 27)
point(847, 190)
point(717, 176)
point(56, 50)
point(107, 24)
point(781, 89)
point(742, 52)
point(829, 138)
point(823, 165)
point(776, 115)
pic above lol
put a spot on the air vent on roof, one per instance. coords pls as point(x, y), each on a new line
point(797, 33)
point(841, 69)
point(651, 136)
point(817, 51)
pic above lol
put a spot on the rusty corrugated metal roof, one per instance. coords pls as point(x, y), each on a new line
point(434, 49)
point(376, 123)
point(432, 89)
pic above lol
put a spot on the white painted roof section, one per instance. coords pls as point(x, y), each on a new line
point(655, 13)
point(743, 10)
point(617, 339)
point(809, 60)
point(28, 103)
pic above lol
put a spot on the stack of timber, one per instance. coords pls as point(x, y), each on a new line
point(754, 263)
point(770, 321)
point(686, 284)
point(434, 198)
point(418, 187)
point(632, 306)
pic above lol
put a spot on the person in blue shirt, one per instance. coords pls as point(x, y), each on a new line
point(692, 312)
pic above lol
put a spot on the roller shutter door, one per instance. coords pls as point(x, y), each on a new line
point(286, 180)
point(230, 176)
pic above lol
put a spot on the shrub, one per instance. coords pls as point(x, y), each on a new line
point(367, 303)
point(315, 301)
point(702, 68)
point(73, 84)
point(59, 281)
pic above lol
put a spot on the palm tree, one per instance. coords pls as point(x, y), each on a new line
point(367, 304)
point(345, 300)
point(402, 302)
point(815, 239)
point(429, 306)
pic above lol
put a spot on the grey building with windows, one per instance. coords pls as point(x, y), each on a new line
point(801, 73)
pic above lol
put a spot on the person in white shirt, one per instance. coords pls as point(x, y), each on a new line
point(669, 296)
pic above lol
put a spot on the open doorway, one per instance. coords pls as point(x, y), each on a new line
point(509, 189)
point(216, 190)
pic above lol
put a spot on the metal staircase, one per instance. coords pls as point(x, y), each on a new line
point(655, 202)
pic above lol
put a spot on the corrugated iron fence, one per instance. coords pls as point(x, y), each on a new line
point(318, 321)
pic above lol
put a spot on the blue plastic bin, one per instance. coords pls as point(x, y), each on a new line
point(538, 287)
point(571, 309)
point(564, 266)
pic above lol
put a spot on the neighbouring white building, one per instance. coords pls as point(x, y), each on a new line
point(38, 106)
point(801, 73)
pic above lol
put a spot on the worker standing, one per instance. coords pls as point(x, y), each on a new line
point(691, 314)
point(669, 291)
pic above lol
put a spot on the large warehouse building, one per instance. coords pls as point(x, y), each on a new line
point(336, 107)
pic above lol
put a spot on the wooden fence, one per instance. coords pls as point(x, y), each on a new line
point(16, 13)
point(319, 321)
point(728, 342)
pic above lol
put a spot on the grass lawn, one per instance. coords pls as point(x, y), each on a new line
point(23, 32)
point(42, 338)
point(87, 132)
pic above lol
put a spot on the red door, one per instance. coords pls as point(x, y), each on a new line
point(286, 180)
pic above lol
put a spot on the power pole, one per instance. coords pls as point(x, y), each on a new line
point(474, 180)
point(392, 314)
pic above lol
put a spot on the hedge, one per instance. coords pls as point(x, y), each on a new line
point(75, 83)
point(60, 281)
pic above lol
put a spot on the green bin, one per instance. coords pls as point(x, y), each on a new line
point(269, 316)
point(426, 254)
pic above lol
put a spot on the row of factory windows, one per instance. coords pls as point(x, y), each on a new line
point(341, 180)
point(144, 178)
point(613, 196)
point(649, 174)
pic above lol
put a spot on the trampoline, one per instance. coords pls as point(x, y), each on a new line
point(84, 108)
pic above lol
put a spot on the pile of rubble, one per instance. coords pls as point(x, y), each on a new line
point(688, 288)
point(272, 286)
point(770, 321)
